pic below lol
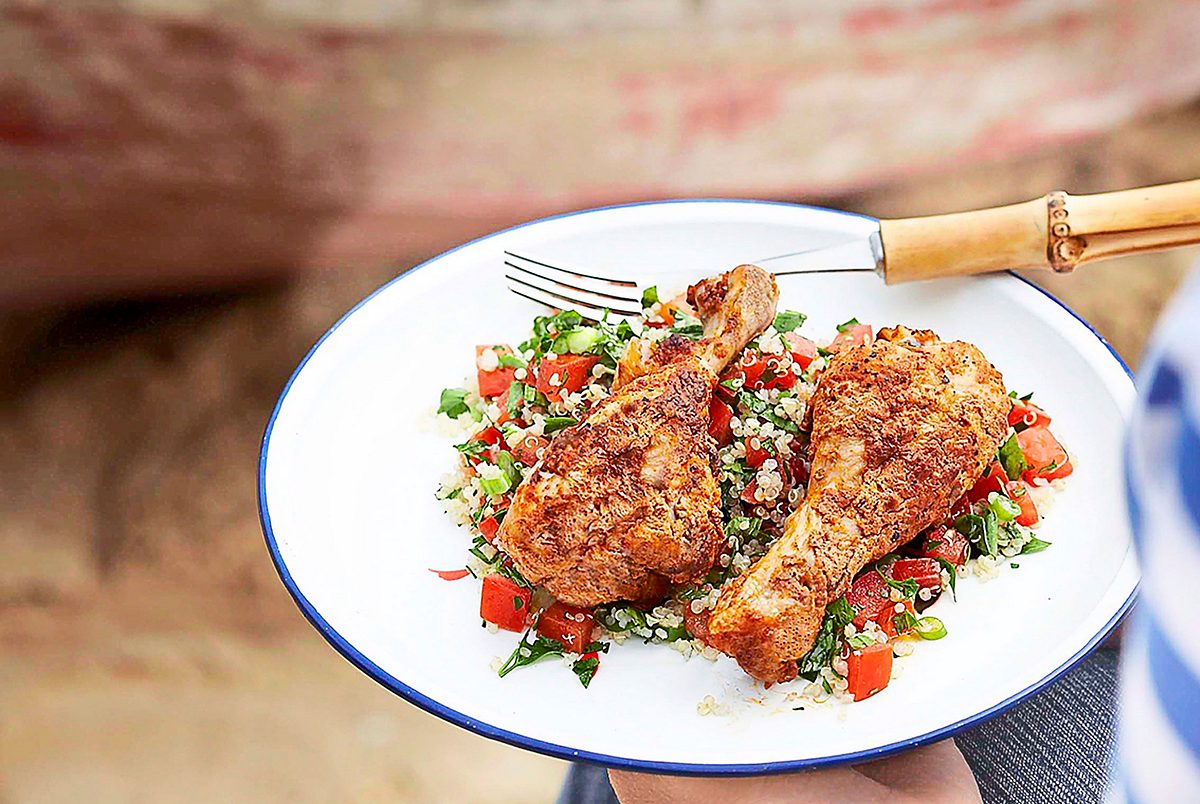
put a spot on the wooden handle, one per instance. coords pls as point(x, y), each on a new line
point(1056, 232)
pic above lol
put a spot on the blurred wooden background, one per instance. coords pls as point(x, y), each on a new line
point(147, 649)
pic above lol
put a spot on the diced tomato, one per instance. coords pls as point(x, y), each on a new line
point(960, 507)
point(495, 441)
point(993, 480)
point(1019, 492)
point(887, 618)
point(1027, 414)
point(868, 670)
point(757, 451)
point(720, 414)
point(925, 571)
point(752, 364)
point(945, 543)
point(747, 495)
point(504, 417)
point(798, 466)
point(569, 625)
point(528, 448)
point(731, 372)
point(803, 350)
point(777, 373)
point(504, 602)
point(696, 624)
point(1045, 457)
point(489, 527)
point(853, 335)
point(490, 435)
point(450, 575)
point(559, 373)
point(494, 383)
point(869, 595)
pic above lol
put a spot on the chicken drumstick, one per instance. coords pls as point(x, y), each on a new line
point(627, 500)
point(900, 430)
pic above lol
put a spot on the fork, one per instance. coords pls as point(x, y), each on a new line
point(1055, 232)
point(594, 294)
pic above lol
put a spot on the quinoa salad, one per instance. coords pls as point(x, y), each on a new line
point(503, 417)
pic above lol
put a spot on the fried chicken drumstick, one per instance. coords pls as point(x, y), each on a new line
point(900, 429)
point(627, 501)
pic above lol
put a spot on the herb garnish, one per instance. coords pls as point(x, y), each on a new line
point(761, 408)
point(452, 402)
point(472, 449)
point(853, 322)
point(686, 325)
point(860, 641)
point(1035, 545)
point(908, 587)
point(952, 571)
point(555, 423)
point(529, 651)
point(789, 320)
point(981, 531)
point(838, 615)
point(1012, 458)
point(650, 296)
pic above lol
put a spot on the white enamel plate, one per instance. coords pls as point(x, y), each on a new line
point(349, 467)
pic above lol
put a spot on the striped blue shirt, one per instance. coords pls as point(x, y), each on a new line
point(1160, 712)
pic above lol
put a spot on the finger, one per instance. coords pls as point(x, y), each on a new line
point(935, 772)
point(836, 784)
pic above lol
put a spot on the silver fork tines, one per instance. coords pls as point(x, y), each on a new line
point(566, 288)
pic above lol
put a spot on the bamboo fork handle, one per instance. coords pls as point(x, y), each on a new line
point(1056, 232)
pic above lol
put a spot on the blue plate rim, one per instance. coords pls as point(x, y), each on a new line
point(390, 682)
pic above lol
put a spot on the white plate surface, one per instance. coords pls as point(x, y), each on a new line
point(349, 467)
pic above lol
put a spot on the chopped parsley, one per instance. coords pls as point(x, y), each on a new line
point(650, 296)
point(908, 587)
point(473, 449)
point(1035, 545)
point(686, 325)
point(1012, 458)
point(453, 402)
point(860, 641)
point(555, 423)
point(838, 615)
point(531, 648)
point(952, 571)
point(983, 532)
point(761, 408)
point(586, 665)
point(789, 320)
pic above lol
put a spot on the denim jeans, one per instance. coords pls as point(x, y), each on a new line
point(1053, 748)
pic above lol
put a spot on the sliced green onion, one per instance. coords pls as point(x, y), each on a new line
point(1005, 509)
point(853, 322)
point(508, 465)
point(930, 628)
point(581, 340)
point(494, 486)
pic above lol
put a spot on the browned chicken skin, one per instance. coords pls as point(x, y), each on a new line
point(899, 431)
point(735, 307)
point(628, 500)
